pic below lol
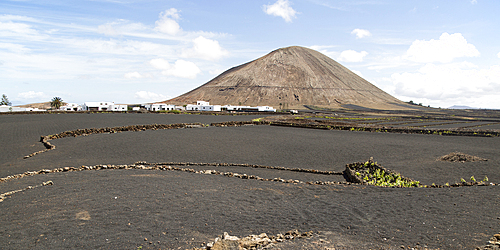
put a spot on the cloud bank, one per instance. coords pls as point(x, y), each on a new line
point(444, 50)
point(181, 68)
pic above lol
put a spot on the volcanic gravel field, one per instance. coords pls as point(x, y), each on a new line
point(162, 209)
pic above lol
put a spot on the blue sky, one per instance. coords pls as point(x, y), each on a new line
point(439, 53)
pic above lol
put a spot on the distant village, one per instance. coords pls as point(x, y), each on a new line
point(155, 107)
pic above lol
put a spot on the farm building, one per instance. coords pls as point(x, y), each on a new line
point(159, 107)
point(249, 108)
point(103, 106)
point(5, 108)
point(203, 106)
point(71, 107)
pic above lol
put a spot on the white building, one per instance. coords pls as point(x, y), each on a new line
point(71, 107)
point(103, 106)
point(159, 107)
point(249, 108)
point(203, 106)
point(5, 108)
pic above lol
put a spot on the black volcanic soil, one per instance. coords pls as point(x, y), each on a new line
point(125, 209)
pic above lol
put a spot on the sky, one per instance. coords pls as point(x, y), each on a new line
point(436, 52)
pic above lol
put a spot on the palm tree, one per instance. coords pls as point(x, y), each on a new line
point(56, 102)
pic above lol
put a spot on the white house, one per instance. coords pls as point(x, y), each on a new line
point(203, 106)
point(119, 107)
point(5, 108)
point(159, 107)
point(103, 106)
point(249, 108)
point(265, 109)
point(71, 107)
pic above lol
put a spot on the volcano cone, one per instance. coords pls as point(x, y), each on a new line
point(291, 78)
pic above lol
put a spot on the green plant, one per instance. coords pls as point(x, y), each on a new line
point(5, 101)
point(378, 177)
point(473, 179)
point(462, 180)
point(485, 178)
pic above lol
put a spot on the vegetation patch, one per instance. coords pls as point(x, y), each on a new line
point(370, 173)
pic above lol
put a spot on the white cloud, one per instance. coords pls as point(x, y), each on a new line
point(444, 50)
point(160, 63)
point(167, 22)
point(17, 48)
point(132, 75)
point(16, 28)
point(473, 1)
point(31, 95)
point(361, 33)
point(12, 31)
point(498, 54)
point(121, 27)
point(352, 56)
point(282, 9)
point(448, 84)
point(181, 68)
point(117, 47)
point(205, 48)
point(149, 96)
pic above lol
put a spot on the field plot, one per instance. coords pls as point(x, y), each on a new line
point(162, 209)
point(22, 132)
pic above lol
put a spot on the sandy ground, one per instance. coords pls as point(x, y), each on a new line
point(170, 209)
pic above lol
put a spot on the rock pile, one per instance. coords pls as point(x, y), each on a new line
point(493, 243)
point(460, 157)
point(228, 242)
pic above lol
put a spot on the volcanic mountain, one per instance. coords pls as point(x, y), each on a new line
point(290, 78)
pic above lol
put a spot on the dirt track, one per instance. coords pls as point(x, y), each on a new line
point(179, 209)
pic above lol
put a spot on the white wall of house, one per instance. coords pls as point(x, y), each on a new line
point(234, 108)
point(118, 107)
point(159, 107)
point(249, 108)
point(265, 109)
point(203, 106)
point(202, 103)
point(71, 107)
point(103, 106)
point(5, 108)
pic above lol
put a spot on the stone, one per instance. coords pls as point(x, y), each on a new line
point(226, 245)
point(226, 236)
point(497, 236)
point(255, 241)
